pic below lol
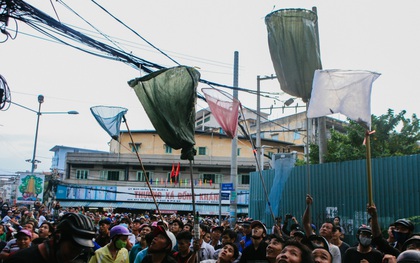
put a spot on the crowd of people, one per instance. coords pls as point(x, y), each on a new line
point(74, 235)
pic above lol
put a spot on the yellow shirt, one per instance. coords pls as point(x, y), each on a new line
point(103, 255)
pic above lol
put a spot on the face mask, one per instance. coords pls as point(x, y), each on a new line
point(120, 244)
point(365, 241)
point(400, 237)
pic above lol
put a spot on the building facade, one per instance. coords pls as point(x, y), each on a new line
point(121, 179)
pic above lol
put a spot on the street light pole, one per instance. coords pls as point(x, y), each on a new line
point(33, 161)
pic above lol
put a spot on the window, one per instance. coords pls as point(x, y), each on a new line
point(215, 178)
point(207, 119)
point(111, 175)
point(243, 178)
point(201, 150)
point(238, 152)
point(141, 177)
point(82, 174)
point(168, 149)
point(135, 147)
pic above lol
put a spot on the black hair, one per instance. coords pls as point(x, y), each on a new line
point(235, 249)
point(205, 228)
point(276, 237)
point(179, 222)
point(232, 234)
point(306, 253)
point(184, 235)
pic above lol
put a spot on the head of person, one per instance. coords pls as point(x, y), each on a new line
point(73, 237)
point(125, 221)
point(327, 229)
point(258, 230)
point(204, 230)
point(188, 227)
point(412, 243)
point(145, 229)
point(403, 230)
point(119, 236)
point(321, 255)
point(176, 226)
point(246, 227)
point(216, 232)
point(104, 225)
point(275, 246)
point(184, 241)
point(229, 253)
point(45, 230)
point(135, 226)
point(315, 241)
point(294, 252)
point(163, 241)
point(207, 237)
point(364, 236)
point(29, 226)
point(390, 231)
point(336, 236)
point(229, 236)
point(23, 238)
point(299, 235)
point(409, 256)
point(337, 220)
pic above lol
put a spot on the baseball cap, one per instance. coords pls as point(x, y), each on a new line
point(119, 230)
point(258, 223)
point(168, 234)
point(23, 232)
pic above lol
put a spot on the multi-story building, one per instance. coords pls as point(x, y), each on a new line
point(120, 179)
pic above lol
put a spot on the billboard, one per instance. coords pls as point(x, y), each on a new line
point(138, 194)
point(30, 189)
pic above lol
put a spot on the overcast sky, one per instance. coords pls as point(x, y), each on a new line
point(371, 35)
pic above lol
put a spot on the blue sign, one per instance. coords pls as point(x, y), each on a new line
point(225, 196)
point(227, 187)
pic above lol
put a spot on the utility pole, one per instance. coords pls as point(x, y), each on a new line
point(260, 159)
point(234, 156)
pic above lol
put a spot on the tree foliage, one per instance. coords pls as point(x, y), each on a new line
point(394, 135)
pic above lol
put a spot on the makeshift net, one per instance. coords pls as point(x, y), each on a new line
point(109, 117)
point(168, 96)
point(224, 108)
point(294, 49)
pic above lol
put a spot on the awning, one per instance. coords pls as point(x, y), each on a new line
point(202, 209)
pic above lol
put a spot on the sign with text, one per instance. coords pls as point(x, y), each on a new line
point(169, 195)
point(140, 194)
point(227, 187)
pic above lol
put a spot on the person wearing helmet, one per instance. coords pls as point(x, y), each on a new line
point(364, 250)
point(256, 251)
point(71, 241)
point(403, 230)
point(162, 244)
point(115, 250)
point(326, 230)
point(409, 256)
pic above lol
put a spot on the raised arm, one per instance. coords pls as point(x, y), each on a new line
point(306, 219)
